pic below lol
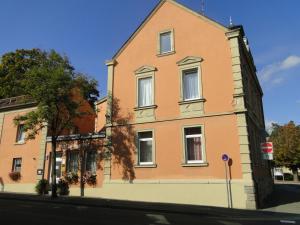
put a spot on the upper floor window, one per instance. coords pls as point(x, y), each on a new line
point(145, 91)
point(145, 151)
point(20, 134)
point(166, 42)
point(190, 79)
point(17, 163)
point(193, 145)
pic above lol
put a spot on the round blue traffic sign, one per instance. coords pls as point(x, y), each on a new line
point(225, 157)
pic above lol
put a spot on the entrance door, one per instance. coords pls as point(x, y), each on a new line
point(57, 167)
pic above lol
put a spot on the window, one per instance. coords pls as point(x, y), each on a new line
point(190, 81)
point(17, 163)
point(193, 145)
point(73, 162)
point(145, 95)
point(165, 42)
point(91, 161)
point(20, 134)
point(145, 156)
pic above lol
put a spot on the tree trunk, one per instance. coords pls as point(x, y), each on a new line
point(295, 174)
point(82, 171)
point(53, 175)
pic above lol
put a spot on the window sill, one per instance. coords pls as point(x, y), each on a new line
point(204, 164)
point(146, 166)
point(20, 143)
point(145, 107)
point(165, 53)
point(192, 101)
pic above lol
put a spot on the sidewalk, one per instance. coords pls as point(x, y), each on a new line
point(207, 211)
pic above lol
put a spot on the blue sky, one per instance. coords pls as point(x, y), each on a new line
point(89, 32)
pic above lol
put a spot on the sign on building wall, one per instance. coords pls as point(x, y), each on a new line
point(267, 150)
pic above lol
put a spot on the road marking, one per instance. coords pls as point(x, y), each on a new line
point(288, 221)
point(160, 219)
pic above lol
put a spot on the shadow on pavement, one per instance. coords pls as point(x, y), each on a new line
point(284, 193)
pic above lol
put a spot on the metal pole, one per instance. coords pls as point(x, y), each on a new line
point(227, 185)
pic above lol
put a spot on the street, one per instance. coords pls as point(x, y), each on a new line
point(30, 212)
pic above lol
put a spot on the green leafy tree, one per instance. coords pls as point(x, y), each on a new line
point(61, 95)
point(13, 69)
point(286, 142)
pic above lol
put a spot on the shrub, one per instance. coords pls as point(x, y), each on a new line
point(15, 176)
point(42, 187)
point(63, 187)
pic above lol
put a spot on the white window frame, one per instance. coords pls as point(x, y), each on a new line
point(201, 135)
point(14, 164)
point(138, 89)
point(159, 52)
point(139, 147)
point(183, 73)
point(20, 139)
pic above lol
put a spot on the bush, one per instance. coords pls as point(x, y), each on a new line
point(288, 176)
point(42, 187)
point(63, 187)
point(90, 178)
point(15, 176)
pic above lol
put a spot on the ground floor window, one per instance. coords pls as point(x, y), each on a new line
point(91, 161)
point(145, 148)
point(17, 163)
point(72, 162)
point(193, 144)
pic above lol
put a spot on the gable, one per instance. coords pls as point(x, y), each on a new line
point(154, 11)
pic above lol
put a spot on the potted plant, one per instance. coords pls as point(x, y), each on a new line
point(15, 176)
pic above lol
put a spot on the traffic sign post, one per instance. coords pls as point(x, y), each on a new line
point(225, 158)
point(267, 150)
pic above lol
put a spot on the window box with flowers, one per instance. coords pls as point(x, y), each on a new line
point(72, 178)
point(15, 175)
point(90, 178)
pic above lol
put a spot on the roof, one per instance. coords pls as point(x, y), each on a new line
point(16, 102)
point(101, 100)
point(156, 8)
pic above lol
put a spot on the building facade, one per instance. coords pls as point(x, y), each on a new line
point(182, 91)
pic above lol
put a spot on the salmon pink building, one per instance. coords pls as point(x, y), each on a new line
point(181, 92)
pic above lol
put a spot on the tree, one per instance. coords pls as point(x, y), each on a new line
point(286, 142)
point(61, 95)
point(13, 67)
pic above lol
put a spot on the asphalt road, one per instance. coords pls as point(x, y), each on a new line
point(27, 212)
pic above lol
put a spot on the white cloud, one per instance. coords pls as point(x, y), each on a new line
point(269, 72)
point(290, 62)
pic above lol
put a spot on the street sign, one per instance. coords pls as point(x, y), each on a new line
point(225, 157)
point(267, 150)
